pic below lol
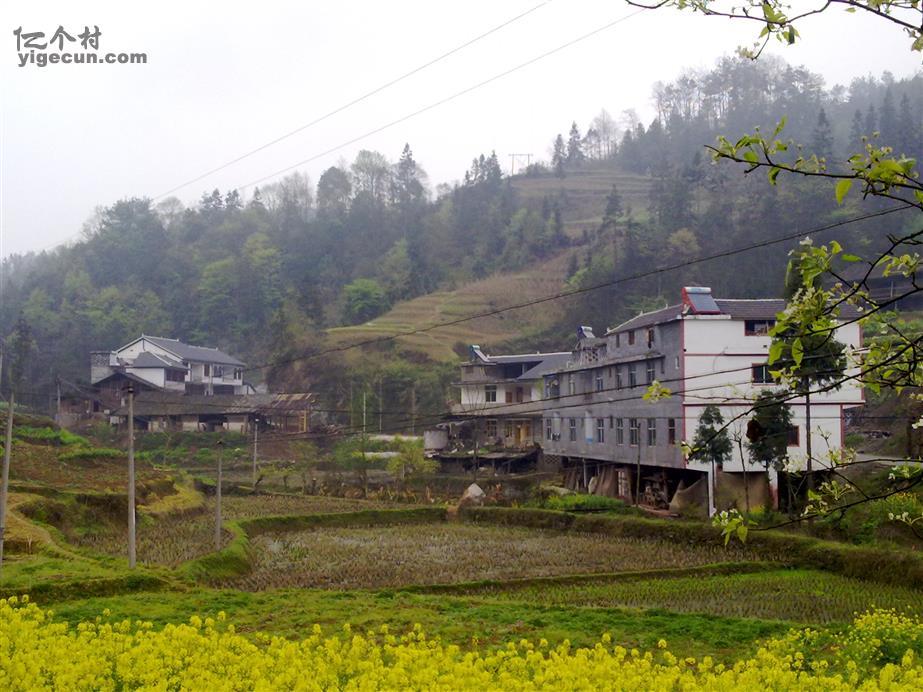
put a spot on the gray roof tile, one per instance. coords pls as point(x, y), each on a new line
point(199, 354)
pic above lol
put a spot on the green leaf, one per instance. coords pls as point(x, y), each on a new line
point(773, 174)
point(850, 258)
point(842, 188)
point(751, 157)
point(775, 351)
point(779, 127)
point(797, 351)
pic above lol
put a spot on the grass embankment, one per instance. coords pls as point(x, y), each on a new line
point(881, 565)
point(291, 613)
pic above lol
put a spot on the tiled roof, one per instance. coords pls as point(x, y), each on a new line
point(146, 359)
point(553, 362)
point(737, 309)
point(648, 318)
point(178, 404)
point(199, 354)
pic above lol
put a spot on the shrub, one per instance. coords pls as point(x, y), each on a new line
point(92, 453)
point(49, 436)
point(578, 503)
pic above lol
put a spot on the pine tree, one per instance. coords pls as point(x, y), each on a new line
point(908, 130)
point(888, 124)
point(768, 430)
point(871, 121)
point(575, 155)
point(558, 156)
point(711, 444)
point(822, 137)
point(856, 131)
point(613, 205)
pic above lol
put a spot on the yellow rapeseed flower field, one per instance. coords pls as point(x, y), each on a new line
point(879, 652)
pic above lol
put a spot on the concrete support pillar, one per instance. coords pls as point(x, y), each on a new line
point(710, 477)
point(774, 488)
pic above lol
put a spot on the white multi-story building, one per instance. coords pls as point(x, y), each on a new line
point(170, 365)
point(706, 352)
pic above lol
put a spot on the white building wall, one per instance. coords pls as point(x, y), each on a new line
point(718, 360)
point(153, 375)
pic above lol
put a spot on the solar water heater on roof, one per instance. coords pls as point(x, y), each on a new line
point(700, 301)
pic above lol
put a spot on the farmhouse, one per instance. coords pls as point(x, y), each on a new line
point(156, 363)
point(505, 394)
point(706, 351)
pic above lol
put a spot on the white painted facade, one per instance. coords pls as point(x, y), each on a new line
point(207, 370)
point(718, 360)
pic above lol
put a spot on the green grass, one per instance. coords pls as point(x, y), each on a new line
point(92, 453)
point(803, 596)
point(291, 613)
point(581, 503)
point(48, 436)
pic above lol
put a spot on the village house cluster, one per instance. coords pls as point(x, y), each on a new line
point(586, 409)
point(177, 386)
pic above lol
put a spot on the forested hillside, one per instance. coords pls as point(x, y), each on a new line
point(283, 271)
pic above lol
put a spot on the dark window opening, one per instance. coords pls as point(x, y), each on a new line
point(758, 327)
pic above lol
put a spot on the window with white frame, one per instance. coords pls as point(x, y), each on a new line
point(619, 431)
point(490, 393)
point(600, 430)
point(634, 432)
point(572, 429)
point(651, 432)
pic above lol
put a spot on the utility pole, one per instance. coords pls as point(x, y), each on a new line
point(365, 469)
point(474, 475)
point(131, 477)
point(352, 423)
point(513, 158)
point(413, 409)
point(7, 448)
point(58, 408)
point(218, 499)
point(256, 438)
point(381, 405)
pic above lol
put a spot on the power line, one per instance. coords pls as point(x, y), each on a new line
point(363, 97)
point(577, 291)
point(447, 99)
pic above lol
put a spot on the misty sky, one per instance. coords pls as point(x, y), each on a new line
point(224, 78)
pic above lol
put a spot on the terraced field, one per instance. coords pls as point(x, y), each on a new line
point(381, 557)
point(583, 198)
point(585, 192)
point(474, 298)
